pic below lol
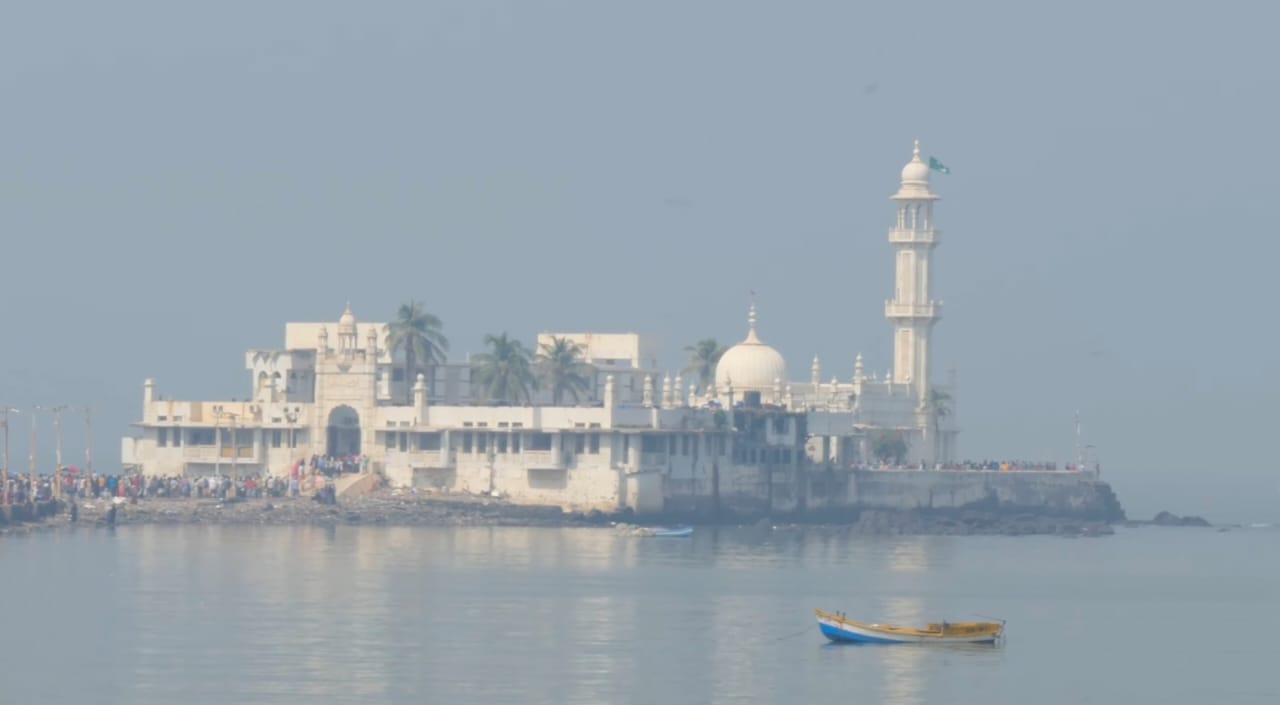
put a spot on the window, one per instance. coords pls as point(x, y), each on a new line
point(540, 441)
point(201, 437)
point(515, 443)
point(579, 442)
point(428, 441)
point(652, 444)
point(501, 445)
point(397, 374)
point(594, 446)
point(388, 440)
point(466, 441)
point(277, 437)
point(162, 437)
point(177, 436)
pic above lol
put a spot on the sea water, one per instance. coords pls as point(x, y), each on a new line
point(204, 614)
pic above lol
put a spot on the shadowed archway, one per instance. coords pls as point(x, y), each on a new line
point(344, 432)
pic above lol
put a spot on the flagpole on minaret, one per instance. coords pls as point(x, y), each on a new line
point(912, 312)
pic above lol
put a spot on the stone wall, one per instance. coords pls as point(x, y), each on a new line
point(817, 493)
point(1057, 494)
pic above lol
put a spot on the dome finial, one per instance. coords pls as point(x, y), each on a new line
point(915, 153)
point(751, 321)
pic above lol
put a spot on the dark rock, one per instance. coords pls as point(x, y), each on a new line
point(1171, 519)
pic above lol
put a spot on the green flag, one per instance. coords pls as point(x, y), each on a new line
point(938, 166)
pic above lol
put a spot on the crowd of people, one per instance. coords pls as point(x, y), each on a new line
point(993, 465)
point(331, 465)
point(302, 477)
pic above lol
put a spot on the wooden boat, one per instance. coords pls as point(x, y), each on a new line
point(672, 531)
point(837, 627)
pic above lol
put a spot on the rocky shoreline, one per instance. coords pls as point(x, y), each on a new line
point(387, 508)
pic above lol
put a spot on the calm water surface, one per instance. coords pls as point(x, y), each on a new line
point(162, 615)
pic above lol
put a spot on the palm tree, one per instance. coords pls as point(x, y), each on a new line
point(938, 406)
point(889, 447)
point(703, 356)
point(419, 335)
point(504, 373)
point(562, 370)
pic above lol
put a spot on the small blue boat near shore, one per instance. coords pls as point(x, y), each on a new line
point(672, 531)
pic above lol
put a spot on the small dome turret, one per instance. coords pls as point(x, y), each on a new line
point(347, 324)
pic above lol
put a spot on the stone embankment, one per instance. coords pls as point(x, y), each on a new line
point(390, 508)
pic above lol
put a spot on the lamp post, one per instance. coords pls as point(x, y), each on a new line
point(88, 441)
point(217, 444)
point(291, 415)
point(57, 449)
point(235, 453)
point(5, 495)
point(231, 493)
point(31, 453)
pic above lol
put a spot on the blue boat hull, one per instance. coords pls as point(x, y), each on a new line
point(674, 532)
point(847, 637)
point(838, 628)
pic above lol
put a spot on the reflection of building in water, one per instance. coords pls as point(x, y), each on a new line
point(903, 665)
point(599, 670)
point(734, 678)
point(263, 598)
point(908, 555)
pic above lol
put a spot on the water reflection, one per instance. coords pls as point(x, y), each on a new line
point(903, 674)
point(293, 616)
point(735, 678)
point(909, 555)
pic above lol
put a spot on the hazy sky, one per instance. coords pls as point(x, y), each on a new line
point(179, 179)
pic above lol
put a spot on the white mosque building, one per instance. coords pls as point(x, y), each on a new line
point(639, 436)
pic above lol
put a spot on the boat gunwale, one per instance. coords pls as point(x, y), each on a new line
point(975, 629)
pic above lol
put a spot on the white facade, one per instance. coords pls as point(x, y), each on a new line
point(334, 389)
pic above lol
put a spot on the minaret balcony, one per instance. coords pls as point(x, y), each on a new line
point(895, 309)
point(913, 236)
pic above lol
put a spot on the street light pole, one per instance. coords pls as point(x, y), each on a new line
point(32, 453)
point(88, 442)
point(217, 426)
point(57, 450)
point(217, 445)
point(5, 495)
point(235, 453)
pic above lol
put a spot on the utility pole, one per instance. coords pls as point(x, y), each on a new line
point(235, 453)
point(217, 445)
point(5, 495)
point(231, 493)
point(88, 441)
point(57, 450)
point(32, 454)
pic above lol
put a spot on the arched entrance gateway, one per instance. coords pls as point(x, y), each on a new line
point(344, 432)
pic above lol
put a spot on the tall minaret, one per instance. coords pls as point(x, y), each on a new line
point(912, 312)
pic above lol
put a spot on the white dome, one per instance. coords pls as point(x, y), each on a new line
point(750, 366)
point(916, 171)
point(347, 324)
